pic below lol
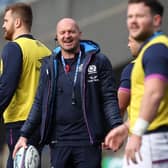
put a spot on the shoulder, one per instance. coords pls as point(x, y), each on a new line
point(45, 60)
point(126, 72)
point(48, 60)
point(102, 59)
point(11, 46)
point(155, 60)
point(128, 68)
point(11, 49)
point(156, 51)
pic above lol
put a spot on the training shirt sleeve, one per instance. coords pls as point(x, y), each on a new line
point(155, 62)
point(125, 80)
point(11, 62)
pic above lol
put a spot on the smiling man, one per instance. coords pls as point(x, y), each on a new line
point(76, 100)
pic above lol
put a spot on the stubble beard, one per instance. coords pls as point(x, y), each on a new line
point(8, 35)
point(71, 50)
point(143, 36)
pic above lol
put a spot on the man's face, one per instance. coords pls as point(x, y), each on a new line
point(68, 36)
point(140, 21)
point(8, 25)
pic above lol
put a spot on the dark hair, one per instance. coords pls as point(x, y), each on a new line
point(155, 6)
point(24, 11)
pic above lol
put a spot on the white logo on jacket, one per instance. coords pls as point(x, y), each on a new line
point(92, 69)
point(92, 74)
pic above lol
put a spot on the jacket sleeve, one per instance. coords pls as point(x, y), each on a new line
point(34, 119)
point(109, 93)
point(11, 67)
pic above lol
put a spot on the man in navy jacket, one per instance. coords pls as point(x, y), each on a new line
point(76, 101)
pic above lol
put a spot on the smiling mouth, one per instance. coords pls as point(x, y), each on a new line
point(68, 43)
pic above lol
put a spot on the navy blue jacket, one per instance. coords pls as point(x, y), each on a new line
point(98, 92)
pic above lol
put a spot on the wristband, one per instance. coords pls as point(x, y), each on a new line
point(140, 127)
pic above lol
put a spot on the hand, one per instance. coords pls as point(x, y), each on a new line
point(104, 147)
point(133, 148)
point(22, 142)
point(116, 137)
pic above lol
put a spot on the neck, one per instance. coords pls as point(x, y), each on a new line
point(68, 55)
point(19, 33)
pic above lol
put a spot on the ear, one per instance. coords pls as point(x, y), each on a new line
point(18, 22)
point(56, 38)
point(157, 20)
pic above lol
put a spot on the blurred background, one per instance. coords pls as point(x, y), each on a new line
point(101, 21)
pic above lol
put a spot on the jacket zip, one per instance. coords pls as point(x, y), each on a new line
point(84, 104)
